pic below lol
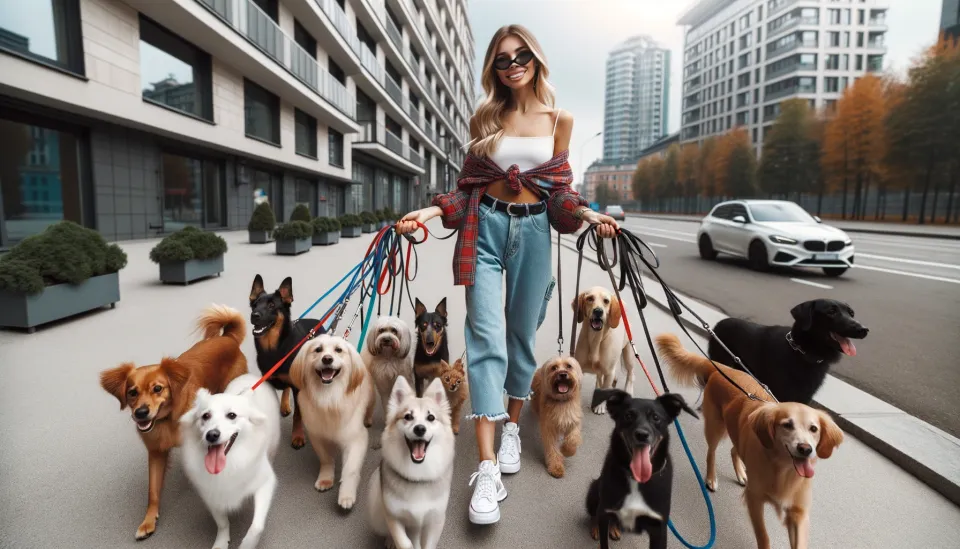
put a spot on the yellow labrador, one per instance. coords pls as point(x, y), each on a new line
point(603, 341)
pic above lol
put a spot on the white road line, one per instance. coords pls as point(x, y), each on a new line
point(904, 273)
point(665, 236)
point(814, 284)
point(911, 261)
point(668, 231)
point(656, 245)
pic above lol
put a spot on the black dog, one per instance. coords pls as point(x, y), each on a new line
point(635, 486)
point(791, 361)
point(431, 344)
point(274, 335)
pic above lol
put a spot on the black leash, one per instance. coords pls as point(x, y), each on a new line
point(559, 301)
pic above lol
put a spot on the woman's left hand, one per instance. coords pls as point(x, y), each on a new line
point(607, 226)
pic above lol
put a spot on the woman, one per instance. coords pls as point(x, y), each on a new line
point(514, 185)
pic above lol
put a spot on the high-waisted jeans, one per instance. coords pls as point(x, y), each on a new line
point(500, 335)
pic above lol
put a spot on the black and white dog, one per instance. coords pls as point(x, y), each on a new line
point(635, 486)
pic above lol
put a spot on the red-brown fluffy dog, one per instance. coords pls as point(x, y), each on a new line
point(159, 394)
point(556, 401)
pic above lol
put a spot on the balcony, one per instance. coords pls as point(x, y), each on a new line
point(394, 33)
point(377, 141)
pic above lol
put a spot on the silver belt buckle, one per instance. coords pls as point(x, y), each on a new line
point(512, 204)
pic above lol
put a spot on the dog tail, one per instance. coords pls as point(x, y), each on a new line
point(688, 368)
point(220, 320)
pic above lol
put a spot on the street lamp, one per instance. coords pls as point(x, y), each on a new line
point(582, 146)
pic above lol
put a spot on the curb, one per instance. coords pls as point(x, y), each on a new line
point(926, 473)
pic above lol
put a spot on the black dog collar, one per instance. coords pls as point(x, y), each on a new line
point(793, 345)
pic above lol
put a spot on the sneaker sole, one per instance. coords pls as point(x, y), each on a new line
point(510, 468)
point(485, 518)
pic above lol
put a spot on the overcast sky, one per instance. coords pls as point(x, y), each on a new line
point(577, 34)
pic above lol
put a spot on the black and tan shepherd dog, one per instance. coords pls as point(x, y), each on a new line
point(431, 344)
point(274, 335)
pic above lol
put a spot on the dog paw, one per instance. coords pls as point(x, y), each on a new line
point(615, 532)
point(322, 485)
point(368, 423)
point(595, 533)
point(742, 480)
point(285, 409)
point(711, 485)
point(568, 450)
point(250, 541)
point(556, 470)
point(346, 501)
point(298, 441)
point(456, 429)
point(147, 528)
point(600, 409)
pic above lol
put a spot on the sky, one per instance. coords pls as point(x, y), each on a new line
point(576, 36)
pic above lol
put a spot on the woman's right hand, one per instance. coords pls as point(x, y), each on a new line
point(408, 223)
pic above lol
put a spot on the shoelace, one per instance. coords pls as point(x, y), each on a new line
point(487, 485)
point(510, 443)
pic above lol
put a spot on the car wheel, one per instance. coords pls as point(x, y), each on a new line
point(834, 271)
point(758, 256)
point(706, 248)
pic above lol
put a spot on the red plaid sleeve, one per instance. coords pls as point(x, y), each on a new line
point(454, 206)
point(562, 205)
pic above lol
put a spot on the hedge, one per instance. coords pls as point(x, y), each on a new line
point(262, 218)
point(301, 213)
point(64, 253)
point(350, 220)
point(186, 244)
point(325, 225)
point(367, 218)
point(295, 230)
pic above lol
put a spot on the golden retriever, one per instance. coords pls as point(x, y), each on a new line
point(773, 443)
point(603, 342)
point(338, 396)
point(556, 402)
point(159, 394)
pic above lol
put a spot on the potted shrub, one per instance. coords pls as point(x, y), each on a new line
point(189, 254)
point(293, 238)
point(301, 213)
point(350, 225)
point(326, 231)
point(369, 222)
point(262, 223)
point(63, 271)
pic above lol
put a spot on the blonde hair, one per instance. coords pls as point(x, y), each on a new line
point(489, 113)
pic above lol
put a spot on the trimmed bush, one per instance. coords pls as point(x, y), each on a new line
point(186, 244)
point(295, 230)
point(64, 253)
point(367, 218)
point(350, 220)
point(325, 225)
point(301, 213)
point(262, 218)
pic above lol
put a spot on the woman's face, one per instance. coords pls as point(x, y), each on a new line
point(516, 75)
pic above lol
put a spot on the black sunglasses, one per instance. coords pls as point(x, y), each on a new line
point(504, 63)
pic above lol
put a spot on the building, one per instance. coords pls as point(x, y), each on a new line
point(137, 117)
point(742, 58)
point(950, 18)
point(635, 103)
point(619, 175)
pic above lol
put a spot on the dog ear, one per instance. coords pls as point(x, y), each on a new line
point(255, 416)
point(615, 399)
point(299, 366)
point(444, 365)
point(401, 391)
point(114, 381)
point(406, 338)
point(459, 365)
point(372, 342)
point(803, 316)
point(830, 436)
point(177, 374)
point(419, 308)
point(537, 380)
point(577, 306)
point(435, 392)
point(674, 403)
point(442, 308)
point(614, 316)
point(765, 424)
point(286, 290)
point(357, 369)
point(257, 288)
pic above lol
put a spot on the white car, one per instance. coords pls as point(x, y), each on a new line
point(774, 232)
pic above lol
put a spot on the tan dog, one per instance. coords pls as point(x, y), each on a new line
point(603, 342)
point(556, 401)
point(455, 383)
point(388, 355)
point(775, 442)
point(159, 394)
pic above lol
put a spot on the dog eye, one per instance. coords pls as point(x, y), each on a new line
point(629, 416)
point(231, 416)
point(408, 417)
point(788, 425)
point(271, 305)
point(655, 418)
point(157, 389)
point(430, 417)
point(132, 393)
point(606, 301)
point(338, 350)
point(553, 368)
point(814, 428)
point(205, 416)
point(447, 379)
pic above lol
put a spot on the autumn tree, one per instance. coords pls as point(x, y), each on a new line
point(669, 187)
point(688, 172)
point(603, 193)
point(706, 180)
point(642, 185)
point(790, 152)
point(738, 165)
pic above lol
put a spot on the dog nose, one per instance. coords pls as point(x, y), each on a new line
point(563, 375)
point(419, 430)
point(804, 449)
point(142, 412)
point(862, 332)
point(598, 312)
point(255, 316)
point(213, 435)
point(327, 360)
point(642, 437)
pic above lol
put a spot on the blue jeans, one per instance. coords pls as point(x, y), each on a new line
point(500, 348)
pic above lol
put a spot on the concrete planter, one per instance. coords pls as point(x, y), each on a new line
point(260, 237)
point(185, 272)
point(58, 302)
point(326, 239)
point(369, 228)
point(350, 232)
point(293, 247)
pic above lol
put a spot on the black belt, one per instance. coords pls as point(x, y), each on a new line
point(514, 208)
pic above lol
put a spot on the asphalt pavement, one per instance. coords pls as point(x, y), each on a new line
point(905, 289)
point(73, 472)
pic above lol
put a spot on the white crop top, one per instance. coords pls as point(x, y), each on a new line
point(525, 152)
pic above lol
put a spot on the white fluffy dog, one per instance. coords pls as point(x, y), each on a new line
point(410, 490)
point(229, 442)
point(387, 355)
point(337, 399)
point(603, 342)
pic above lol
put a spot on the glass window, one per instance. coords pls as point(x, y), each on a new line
point(305, 192)
point(336, 72)
point(304, 39)
point(261, 113)
point(306, 134)
point(174, 73)
point(44, 30)
point(272, 186)
point(193, 192)
point(335, 146)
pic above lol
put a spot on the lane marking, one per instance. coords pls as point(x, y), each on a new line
point(656, 245)
point(665, 236)
point(910, 261)
point(814, 284)
point(905, 273)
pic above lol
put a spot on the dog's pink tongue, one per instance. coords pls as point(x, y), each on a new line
point(216, 459)
point(846, 345)
point(804, 467)
point(419, 450)
point(640, 465)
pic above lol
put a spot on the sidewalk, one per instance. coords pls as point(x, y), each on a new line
point(73, 471)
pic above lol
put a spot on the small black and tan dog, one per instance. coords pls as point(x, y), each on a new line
point(432, 346)
point(635, 486)
point(274, 335)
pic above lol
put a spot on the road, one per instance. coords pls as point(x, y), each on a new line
point(73, 472)
point(905, 289)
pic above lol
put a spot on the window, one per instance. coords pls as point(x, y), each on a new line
point(261, 112)
point(194, 192)
point(174, 73)
point(833, 16)
point(393, 126)
point(47, 31)
point(336, 72)
point(365, 37)
point(833, 39)
point(831, 84)
point(305, 192)
point(335, 147)
point(303, 38)
point(832, 62)
point(269, 7)
point(306, 134)
point(859, 66)
point(859, 39)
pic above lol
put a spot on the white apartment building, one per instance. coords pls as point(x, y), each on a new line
point(138, 117)
point(635, 103)
point(742, 58)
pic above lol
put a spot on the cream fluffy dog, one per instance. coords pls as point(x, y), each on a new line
point(556, 402)
point(603, 341)
point(387, 355)
point(337, 397)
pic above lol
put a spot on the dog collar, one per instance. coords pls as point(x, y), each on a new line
point(793, 345)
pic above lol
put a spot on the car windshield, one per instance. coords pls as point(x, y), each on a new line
point(614, 209)
point(784, 211)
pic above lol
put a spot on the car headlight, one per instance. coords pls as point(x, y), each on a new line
point(847, 242)
point(781, 239)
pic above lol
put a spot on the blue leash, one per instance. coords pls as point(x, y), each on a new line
point(706, 497)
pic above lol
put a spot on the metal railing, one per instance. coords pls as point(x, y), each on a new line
point(394, 90)
point(372, 132)
point(394, 33)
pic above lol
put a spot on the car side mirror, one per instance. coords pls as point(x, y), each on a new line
point(817, 219)
point(739, 219)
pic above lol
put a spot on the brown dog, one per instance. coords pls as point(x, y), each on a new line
point(454, 380)
point(775, 442)
point(159, 394)
point(556, 401)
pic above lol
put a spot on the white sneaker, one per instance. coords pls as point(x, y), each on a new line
point(487, 495)
point(509, 455)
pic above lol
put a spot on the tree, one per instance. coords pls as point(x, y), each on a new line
point(603, 194)
point(706, 176)
point(668, 187)
point(740, 179)
point(642, 184)
point(790, 152)
point(688, 173)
